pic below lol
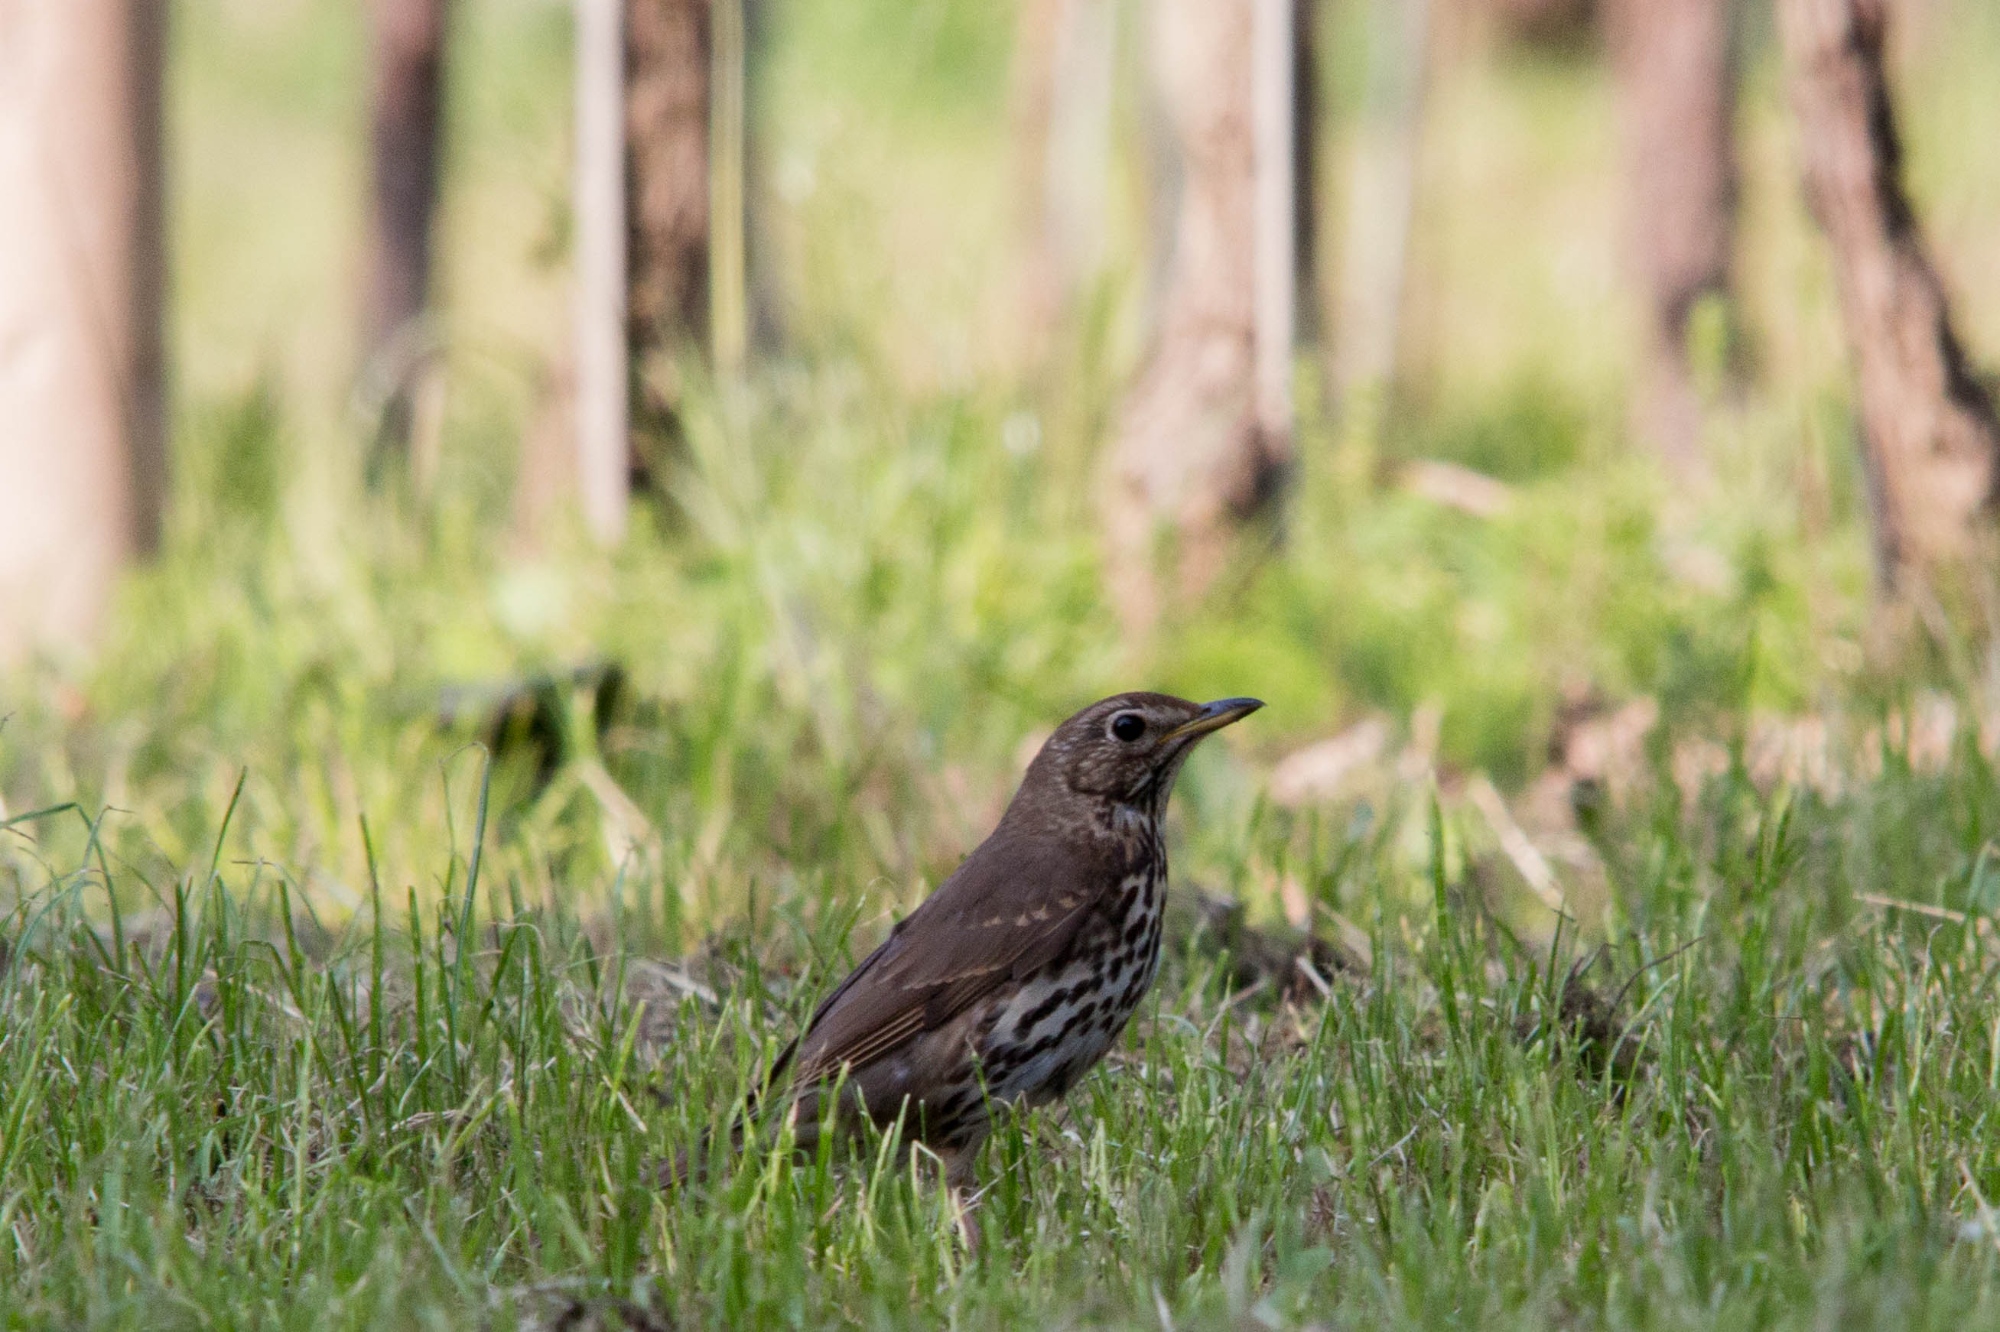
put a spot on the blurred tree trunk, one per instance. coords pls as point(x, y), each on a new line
point(764, 295)
point(1204, 434)
point(687, 238)
point(603, 341)
point(82, 289)
point(674, 182)
point(1306, 183)
point(406, 123)
point(1558, 24)
point(1676, 69)
point(1930, 432)
point(729, 187)
point(1274, 133)
point(667, 55)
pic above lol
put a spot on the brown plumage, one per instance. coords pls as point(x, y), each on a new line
point(1011, 980)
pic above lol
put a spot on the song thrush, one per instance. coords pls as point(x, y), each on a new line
point(1011, 980)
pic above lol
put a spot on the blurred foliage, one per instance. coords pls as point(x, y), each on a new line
point(873, 571)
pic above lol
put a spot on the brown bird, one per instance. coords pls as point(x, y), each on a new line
point(1011, 980)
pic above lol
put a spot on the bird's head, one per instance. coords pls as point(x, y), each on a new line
point(1128, 748)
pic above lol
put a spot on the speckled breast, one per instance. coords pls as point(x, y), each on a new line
point(1039, 1040)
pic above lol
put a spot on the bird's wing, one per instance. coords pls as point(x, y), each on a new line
point(1008, 911)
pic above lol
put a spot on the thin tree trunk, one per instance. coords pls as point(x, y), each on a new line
point(1554, 24)
point(1273, 105)
point(763, 275)
point(1195, 456)
point(408, 39)
point(728, 147)
point(147, 424)
point(82, 390)
point(1676, 64)
point(1929, 428)
point(603, 380)
point(668, 48)
point(684, 271)
point(1306, 30)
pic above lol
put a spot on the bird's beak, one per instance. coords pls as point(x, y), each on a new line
point(1213, 717)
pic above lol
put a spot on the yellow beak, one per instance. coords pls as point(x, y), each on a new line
point(1214, 716)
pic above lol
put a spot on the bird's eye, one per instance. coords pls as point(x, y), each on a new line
point(1128, 726)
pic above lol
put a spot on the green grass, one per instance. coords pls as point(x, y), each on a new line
point(222, 1110)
